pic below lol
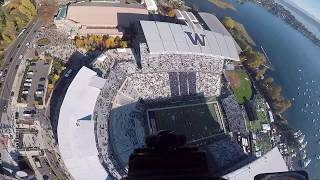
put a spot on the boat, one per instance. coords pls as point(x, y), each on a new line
point(318, 157)
point(297, 134)
point(306, 105)
point(303, 154)
point(301, 138)
point(318, 103)
point(304, 144)
point(306, 162)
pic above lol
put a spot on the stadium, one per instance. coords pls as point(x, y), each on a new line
point(170, 80)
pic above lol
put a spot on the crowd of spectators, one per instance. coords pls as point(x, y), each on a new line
point(223, 154)
point(60, 46)
point(107, 60)
point(182, 83)
point(119, 115)
point(151, 85)
point(235, 117)
point(179, 62)
point(208, 83)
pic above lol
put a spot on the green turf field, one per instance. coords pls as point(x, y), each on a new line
point(240, 84)
point(196, 121)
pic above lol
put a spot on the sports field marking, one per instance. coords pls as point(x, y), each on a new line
point(176, 107)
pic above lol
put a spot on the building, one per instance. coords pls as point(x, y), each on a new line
point(212, 23)
point(102, 121)
point(162, 37)
point(268, 163)
point(102, 18)
point(150, 5)
point(4, 2)
point(76, 135)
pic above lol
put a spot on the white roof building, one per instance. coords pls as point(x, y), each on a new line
point(271, 116)
point(76, 128)
point(270, 162)
point(151, 5)
point(162, 38)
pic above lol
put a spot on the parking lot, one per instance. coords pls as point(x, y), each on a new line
point(34, 84)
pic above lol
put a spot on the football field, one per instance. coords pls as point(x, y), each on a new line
point(196, 121)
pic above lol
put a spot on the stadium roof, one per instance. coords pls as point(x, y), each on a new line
point(270, 162)
point(76, 129)
point(215, 25)
point(165, 37)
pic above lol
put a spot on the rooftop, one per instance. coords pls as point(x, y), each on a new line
point(105, 14)
point(215, 25)
point(165, 37)
point(76, 128)
point(270, 162)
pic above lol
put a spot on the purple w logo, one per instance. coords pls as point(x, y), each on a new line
point(196, 38)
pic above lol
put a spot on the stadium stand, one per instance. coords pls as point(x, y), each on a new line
point(139, 79)
point(235, 118)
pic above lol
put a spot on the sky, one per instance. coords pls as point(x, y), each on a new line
point(312, 6)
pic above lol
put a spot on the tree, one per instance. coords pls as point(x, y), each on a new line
point(110, 42)
point(228, 22)
point(50, 86)
point(56, 77)
point(260, 72)
point(117, 41)
point(171, 12)
point(124, 44)
point(79, 42)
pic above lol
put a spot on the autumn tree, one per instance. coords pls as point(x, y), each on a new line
point(171, 12)
point(228, 22)
point(110, 42)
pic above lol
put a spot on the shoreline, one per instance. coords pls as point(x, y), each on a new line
point(262, 84)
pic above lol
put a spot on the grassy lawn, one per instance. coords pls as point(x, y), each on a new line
point(262, 117)
point(43, 42)
point(240, 84)
point(264, 145)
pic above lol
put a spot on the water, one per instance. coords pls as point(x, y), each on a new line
point(289, 52)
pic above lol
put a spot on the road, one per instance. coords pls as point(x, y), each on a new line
point(14, 51)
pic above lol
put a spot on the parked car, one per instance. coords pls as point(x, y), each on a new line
point(39, 92)
point(28, 80)
point(30, 72)
point(27, 113)
point(27, 84)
